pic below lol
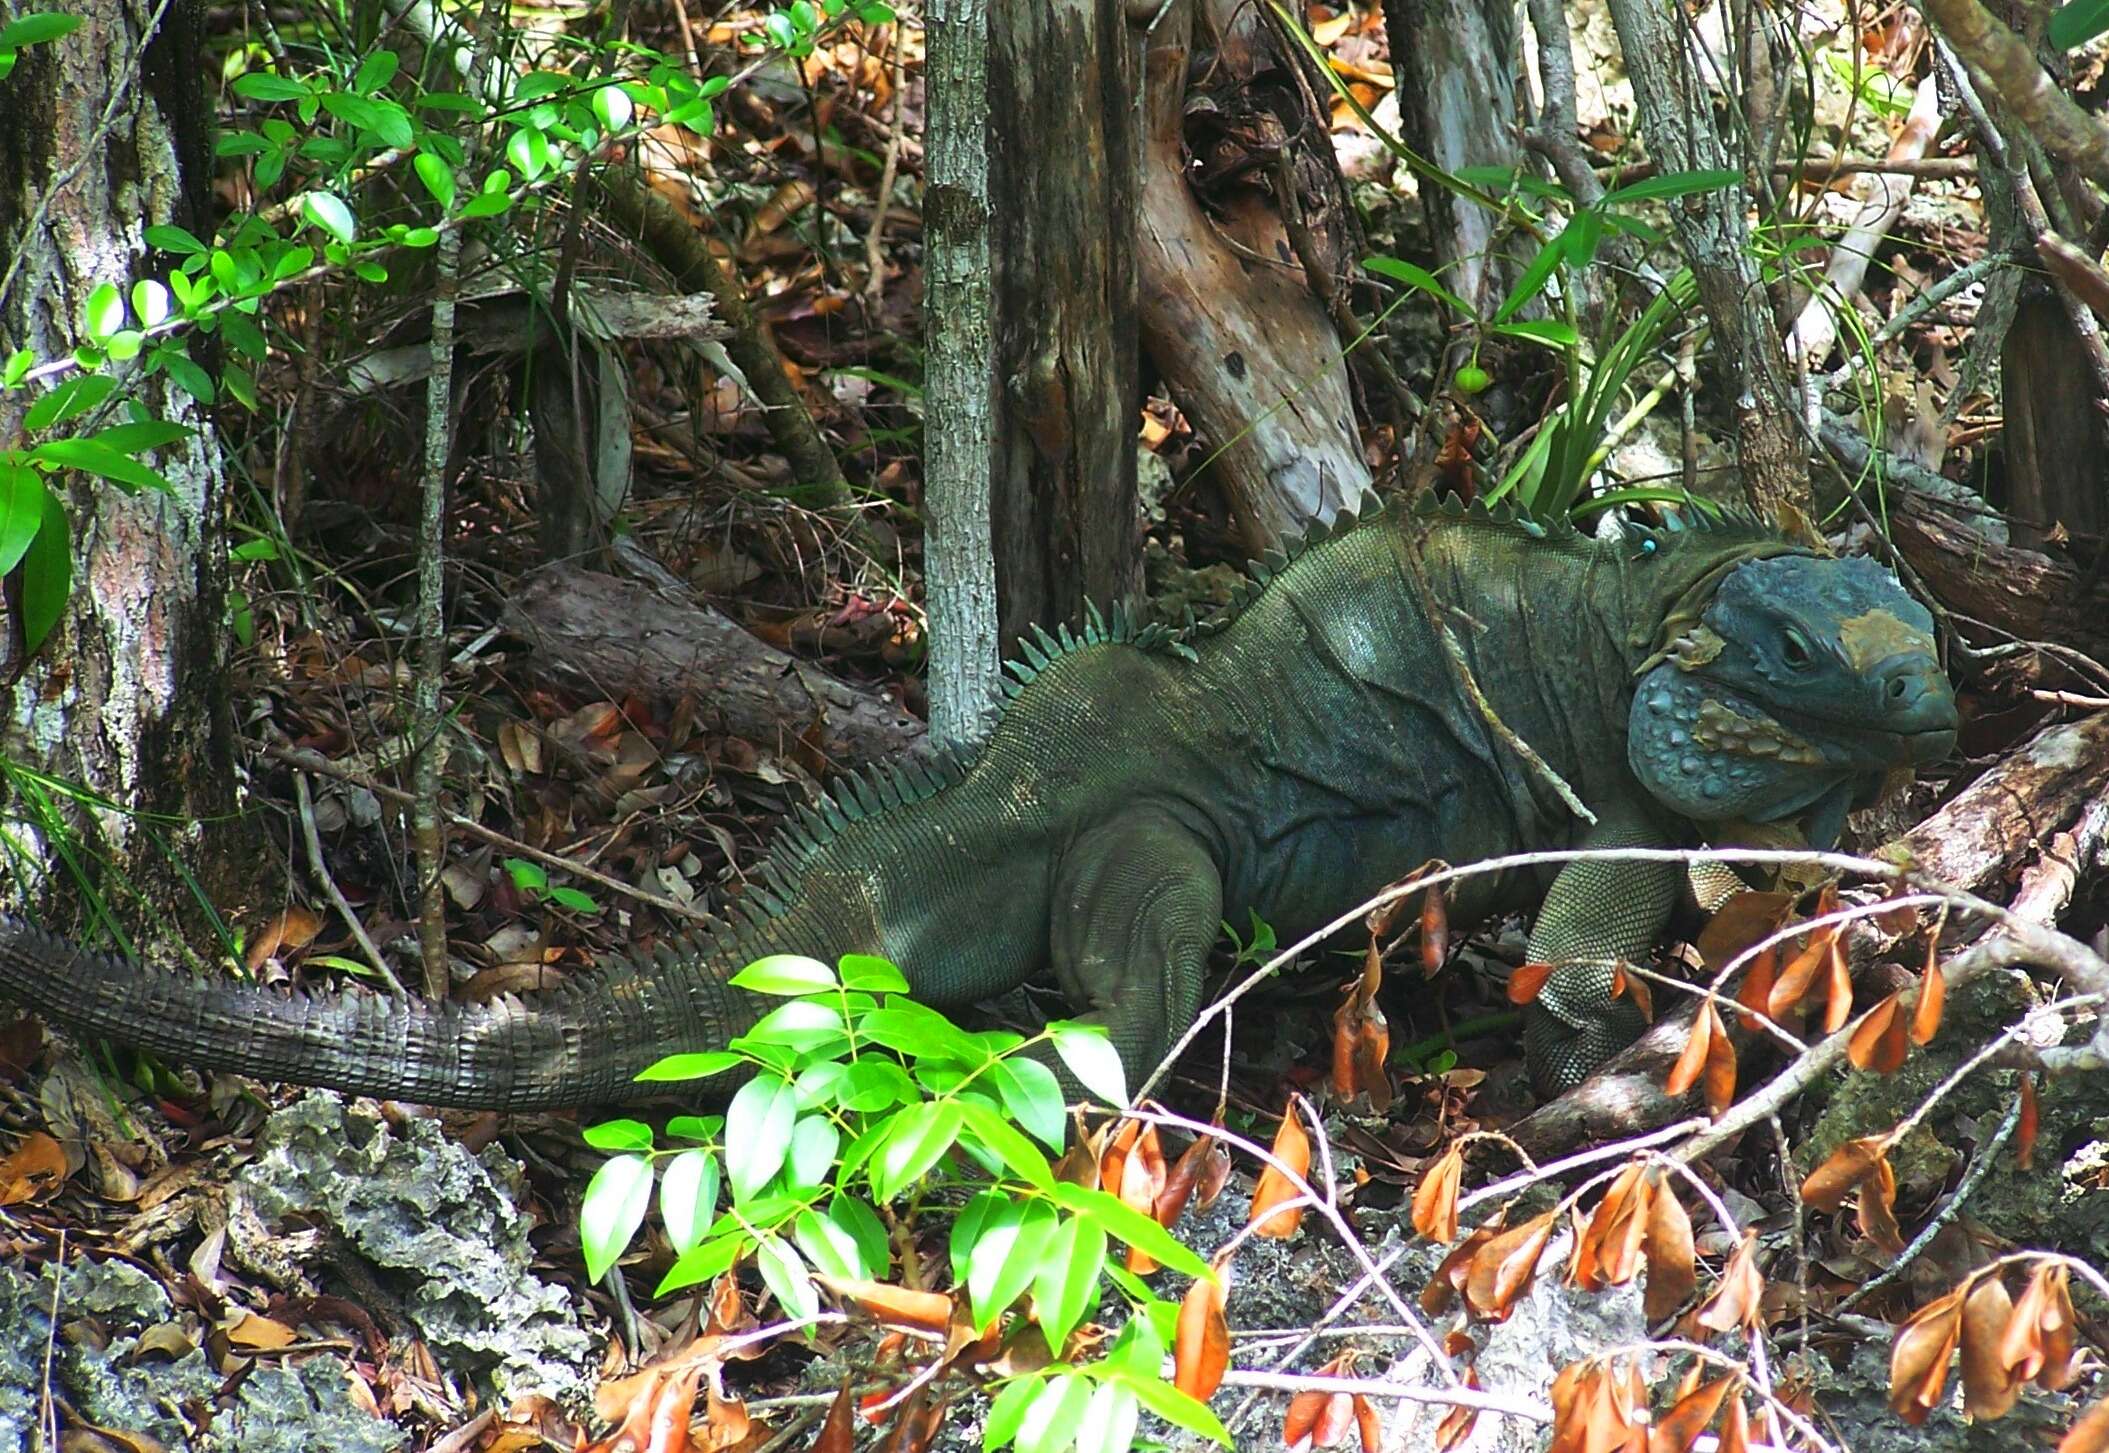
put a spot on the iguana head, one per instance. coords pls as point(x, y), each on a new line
point(1798, 686)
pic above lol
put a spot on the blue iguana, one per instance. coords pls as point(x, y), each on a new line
point(1143, 786)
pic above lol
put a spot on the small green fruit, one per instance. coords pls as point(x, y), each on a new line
point(1471, 379)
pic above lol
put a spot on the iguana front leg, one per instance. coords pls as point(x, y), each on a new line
point(1138, 905)
point(1598, 912)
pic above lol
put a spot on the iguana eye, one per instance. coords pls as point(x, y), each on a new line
point(1794, 650)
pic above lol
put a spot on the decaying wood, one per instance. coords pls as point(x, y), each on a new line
point(1978, 842)
point(620, 637)
point(1242, 345)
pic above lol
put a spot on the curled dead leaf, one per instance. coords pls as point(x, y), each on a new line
point(1918, 1363)
point(1877, 1041)
point(1676, 1430)
point(1292, 1149)
point(2037, 1345)
point(1201, 1344)
point(34, 1169)
point(1933, 993)
point(1843, 1169)
point(1607, 1253)
point(1738, 1300)
point(1435, 932)
point(1673, 1273)
point(1526, 981)
point(2025, 1128)
point(1989, 1386)
point(1435, 1199)
point(2089, 1432)
point(1503, 1267)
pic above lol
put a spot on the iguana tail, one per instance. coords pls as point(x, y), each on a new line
point(580, 1044)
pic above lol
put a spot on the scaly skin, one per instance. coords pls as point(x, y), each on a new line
point(1140, 790)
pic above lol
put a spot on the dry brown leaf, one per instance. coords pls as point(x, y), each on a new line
point(1933, 993)
point(1691, 1061)
point(1877, 1041)
point(1676, 1430)
point(1334, 1419)
point(1201, 1344)
point(1841, 1170)
point(1180, 1181)
point(1608, 1251)
point(1735, 1428)
point(1449, 1277)
point(1745, 919)
point(1989, 1388)
point(838, 1434)
point(2024, 1129)
point(1435, 1199)
point(1113, 1156)
point(292, 929)
point(1301, 1419)
point(1503, 1267)
point(1673, 1273)
point(1292, 1148)
point(1838, 1006)
point(1877, 1209)
point(893, 1306)
point(656, 1420)
point(1718, 1087)
point(1755, 992)
point(2038, 1343)
point(252, 1333)
point(34, 1169)
point(1626, 983)
point(1435, 932)
point(1918, 1364)
point(1457, 1423)
point(1792, 985)
point(1215, 1174)
point(2089, 1432)
point(1525, 982)
point(1142, 1178)
point(1738, 1300)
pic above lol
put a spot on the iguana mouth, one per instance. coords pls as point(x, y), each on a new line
point(1731, 720)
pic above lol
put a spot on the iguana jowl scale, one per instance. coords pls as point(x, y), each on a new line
point(1142, 787)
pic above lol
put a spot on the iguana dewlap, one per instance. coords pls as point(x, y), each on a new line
point(1142, 788)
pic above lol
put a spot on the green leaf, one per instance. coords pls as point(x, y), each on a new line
point(437, 176)
point(784, 1273)
point(613, 106)
point(263, 86)
point(185, 373)
point(1032, 1095)
point(1007, 1412)
point(101, 461)
point(981, 1208)
point(873, 1084)
point(1054, 1418)
point(376, 71)
point(21, 512)
point(1018, 1154)
point(691, 1066)
point(486, 204)
point(1551, 334)
point(1416, 277)
point(2070, 25)
point(1092, 1058)
point(574, 900)
point(919, 1137)
point(1066, 1285)
point(141, 435)
point(874, 1248)
point(1109, 1423)
point(1174, 1406)
point(1672, 184)
point(872, 974)
point(688, 1198)
point(800, 1024)
point(168, 237)
point(758, 1133)
point(614, 1208)
point(814, 1141)
point(1131, 1226)
point(1005, 1258)
point(17, 367)
point(327, 211)
point(38, 29)
point(703, 1264)
point(149, 301)
point(619, 1135)
point(527, 875)
point(785, 975)
point(830, 1248)
point(1532, 282)
point(72, 398)
point(919, 1032)
point(695, 1127)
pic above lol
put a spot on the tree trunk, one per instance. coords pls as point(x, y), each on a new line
point(1454, 62)
point(1246, 350)
point(959, 384)
point(126, 696)
point(1067, 524)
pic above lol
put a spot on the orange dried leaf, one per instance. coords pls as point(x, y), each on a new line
point(1201, 1344)
point(1792, 985)
point(1989, 1388)
point(1877, 1041)
point(1435, 932)
point(1503, 1267)
point(1933, 993)
point(1450, 1274)
point(1841, 1170)
point(1526, 981)
point(1673, 1273)
point(838, 1434)
point(2089, 1432)
point(1113, 1158)
point(1745, 919)
point(892, 1305)
point(1737, 1301)
point(2038, 1343)
point(1180, 1181)
point(1608, 1251)
point(1368, 1426)
point(1456, 1425)
point(1435, 1199)
point(1305, 1409)
point(1718, 1088)
point(1877, 1208)
point(1691, 1063)
point(35, 1168)
point(1215, 1174)
point(2025, 1128)
point(1680, 1427)
point(1918, 1364)
point(1292, 1149)
point(1735, 1428)
point(1625, 982)
point(1142, 1178)
point(1839, 1006)
point(1755, 992)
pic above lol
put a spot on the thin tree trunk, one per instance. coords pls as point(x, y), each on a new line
point(959, 381)
point(125, 696)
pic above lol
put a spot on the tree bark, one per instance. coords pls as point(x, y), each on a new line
point(960, 407)
point(1246, 350)
point(127, 694)
point(1067, 527)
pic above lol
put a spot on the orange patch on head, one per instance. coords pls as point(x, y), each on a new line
point(1872, 638)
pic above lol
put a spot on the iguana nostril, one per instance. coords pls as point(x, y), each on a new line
point(1897, 688)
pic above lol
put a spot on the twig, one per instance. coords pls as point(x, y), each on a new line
point(307, 761)
point(874, 244)
point(328, 884)
point(1378, 1387)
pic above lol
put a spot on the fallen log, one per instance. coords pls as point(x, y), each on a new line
point(1980, 841)
point(620, 637)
